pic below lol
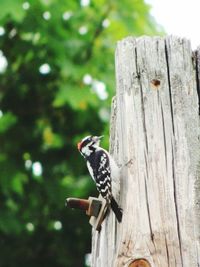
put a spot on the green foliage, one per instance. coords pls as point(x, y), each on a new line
point(56, 88)
point(7, 121)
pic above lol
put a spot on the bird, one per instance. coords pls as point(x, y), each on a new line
point(102, 169)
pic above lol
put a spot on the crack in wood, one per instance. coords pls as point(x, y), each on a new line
point(197, 62)
point(164, 135)
point(167, 251)
point(169, 83)
point(176, 206)
point(146, 164)
point(148, 212)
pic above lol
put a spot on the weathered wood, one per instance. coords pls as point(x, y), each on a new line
point(154, 138)
point(197, 184)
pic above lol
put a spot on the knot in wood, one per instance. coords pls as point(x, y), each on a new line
point(155, 83)
point(140, 263)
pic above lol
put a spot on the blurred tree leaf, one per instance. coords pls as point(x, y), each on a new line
point(56, 88)
point(18, 182)
point(7, 121)
point(12, 8)
point(77, 98)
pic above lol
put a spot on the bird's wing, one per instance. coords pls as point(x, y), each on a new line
point(103, 175)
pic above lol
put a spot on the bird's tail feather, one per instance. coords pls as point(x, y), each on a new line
point(116, 209)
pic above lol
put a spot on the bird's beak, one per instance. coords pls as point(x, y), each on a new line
point(79, 145)
point(97, 138)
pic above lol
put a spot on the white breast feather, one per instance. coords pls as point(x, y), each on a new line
point(86, 151)
point(90, 170)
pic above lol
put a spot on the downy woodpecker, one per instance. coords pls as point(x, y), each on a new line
point(102, 168)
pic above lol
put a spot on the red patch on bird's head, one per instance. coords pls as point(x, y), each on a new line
point(79, 146)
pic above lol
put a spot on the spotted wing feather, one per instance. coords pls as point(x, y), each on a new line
point(103, 179)
point(102, 174)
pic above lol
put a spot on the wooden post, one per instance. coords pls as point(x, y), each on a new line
point(154, 139)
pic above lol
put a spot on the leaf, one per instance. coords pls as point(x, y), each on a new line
point(77, 98)
point(12, 8)
point(51, 139)
point(17, 183)
point(7, 121)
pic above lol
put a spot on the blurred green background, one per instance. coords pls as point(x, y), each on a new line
point(56, 85)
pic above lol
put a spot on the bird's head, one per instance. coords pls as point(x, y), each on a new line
point(88, 145)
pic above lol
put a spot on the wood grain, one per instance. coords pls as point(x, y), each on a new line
point(154, 139)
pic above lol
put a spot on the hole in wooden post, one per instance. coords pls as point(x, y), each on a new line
point(140, 263)
point(155, 83)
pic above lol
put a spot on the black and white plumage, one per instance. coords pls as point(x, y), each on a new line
point(101, 167)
